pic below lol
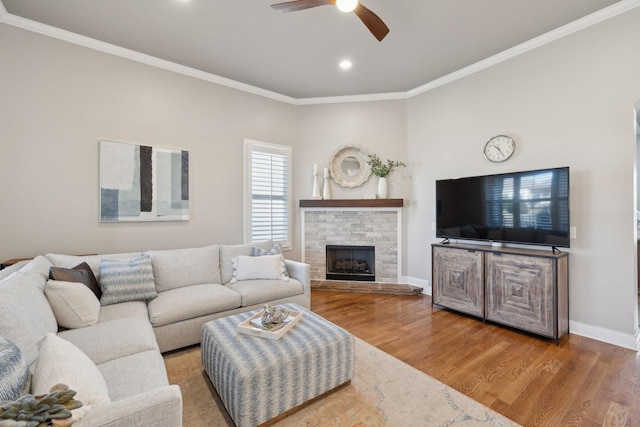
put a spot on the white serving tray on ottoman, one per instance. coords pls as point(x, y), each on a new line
point(248, 326)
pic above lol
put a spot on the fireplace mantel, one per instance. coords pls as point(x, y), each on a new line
point(352, 203)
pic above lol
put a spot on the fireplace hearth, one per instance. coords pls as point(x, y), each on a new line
point(350, 263)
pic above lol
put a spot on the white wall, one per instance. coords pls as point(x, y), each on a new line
point(568, 103)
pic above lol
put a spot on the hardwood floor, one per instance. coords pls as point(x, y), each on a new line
point(581, 382)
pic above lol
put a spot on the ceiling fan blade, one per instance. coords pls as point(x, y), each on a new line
point(372, 21)
point(293, 6)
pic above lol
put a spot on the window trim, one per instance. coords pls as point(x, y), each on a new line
point(250, 146)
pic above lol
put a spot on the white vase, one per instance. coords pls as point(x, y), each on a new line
point(382, 188)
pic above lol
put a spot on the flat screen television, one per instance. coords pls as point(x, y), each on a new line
point(528, 207)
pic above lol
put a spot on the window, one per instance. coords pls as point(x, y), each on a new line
point(267, 194)
point(527, 201)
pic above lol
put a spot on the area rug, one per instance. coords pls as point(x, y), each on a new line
point(384, 392)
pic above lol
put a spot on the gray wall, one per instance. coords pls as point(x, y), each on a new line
point(569, 103)
point(58, 99)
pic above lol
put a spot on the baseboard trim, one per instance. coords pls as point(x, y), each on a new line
point(632, 342)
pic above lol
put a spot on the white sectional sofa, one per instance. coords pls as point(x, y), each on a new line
point(125, 338)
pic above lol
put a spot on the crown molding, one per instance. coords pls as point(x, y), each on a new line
point(153, 61)
point(352, 98)
point(587, 21)
point(580, 24)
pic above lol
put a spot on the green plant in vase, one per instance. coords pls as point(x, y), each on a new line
point(382, 170)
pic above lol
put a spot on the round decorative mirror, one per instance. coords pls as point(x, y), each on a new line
point(349, 167)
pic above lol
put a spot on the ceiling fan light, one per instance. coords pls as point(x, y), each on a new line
point(346, 5)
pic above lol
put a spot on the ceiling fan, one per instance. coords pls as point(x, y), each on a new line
point(378, 28)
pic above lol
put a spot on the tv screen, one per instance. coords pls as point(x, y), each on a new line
point(529, 207)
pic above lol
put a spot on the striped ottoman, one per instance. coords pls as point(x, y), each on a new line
point(259, 379)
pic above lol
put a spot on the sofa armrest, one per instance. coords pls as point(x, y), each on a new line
point(155, 408)
point(300, 271)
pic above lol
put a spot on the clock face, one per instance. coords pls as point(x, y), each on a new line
point(499, 148)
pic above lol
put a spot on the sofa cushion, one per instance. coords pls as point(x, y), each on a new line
point(176, 268)
point(134, 374)
point(260, 291)
point(113, 339)
point(229, 252)
point(81, 273)
point(59, 361)
point(126, 280)
point(25, 313)
point(124, 309)
point(73, 304)
point(14, 372)
point(7, 271)
point(190, 302)
point(263, 267)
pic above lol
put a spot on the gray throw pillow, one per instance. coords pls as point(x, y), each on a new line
point(126, 280)
point(14, 372)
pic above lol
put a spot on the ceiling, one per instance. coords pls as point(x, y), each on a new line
point(296, 54)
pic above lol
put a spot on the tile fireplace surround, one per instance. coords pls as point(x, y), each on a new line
point(353, 222)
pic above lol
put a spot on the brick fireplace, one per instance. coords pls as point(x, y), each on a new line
point(356, 223)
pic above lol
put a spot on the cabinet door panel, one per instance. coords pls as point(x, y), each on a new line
point(520, 292)
point(457, 280)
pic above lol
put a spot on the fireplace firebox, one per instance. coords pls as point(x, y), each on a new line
point(351, 263)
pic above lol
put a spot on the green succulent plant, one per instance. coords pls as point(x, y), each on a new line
point(52, 409)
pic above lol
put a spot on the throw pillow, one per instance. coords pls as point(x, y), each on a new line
point(14, 372)
point(126, 280)
point(81, 273)
point(262, 267)
point(59, 361)
point(275, 250)
point(38, 266)
point(73, 306)
point(229, 252)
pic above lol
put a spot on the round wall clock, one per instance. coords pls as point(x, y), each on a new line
point(499, 148)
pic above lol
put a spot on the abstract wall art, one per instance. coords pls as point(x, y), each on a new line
point(143, 183)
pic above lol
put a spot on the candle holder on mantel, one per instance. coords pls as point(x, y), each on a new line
point(315, 195)
point(326, 192)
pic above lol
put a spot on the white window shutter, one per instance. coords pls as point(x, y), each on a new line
point(267, 192)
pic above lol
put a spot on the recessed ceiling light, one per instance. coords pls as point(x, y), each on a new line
point(345, 64)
